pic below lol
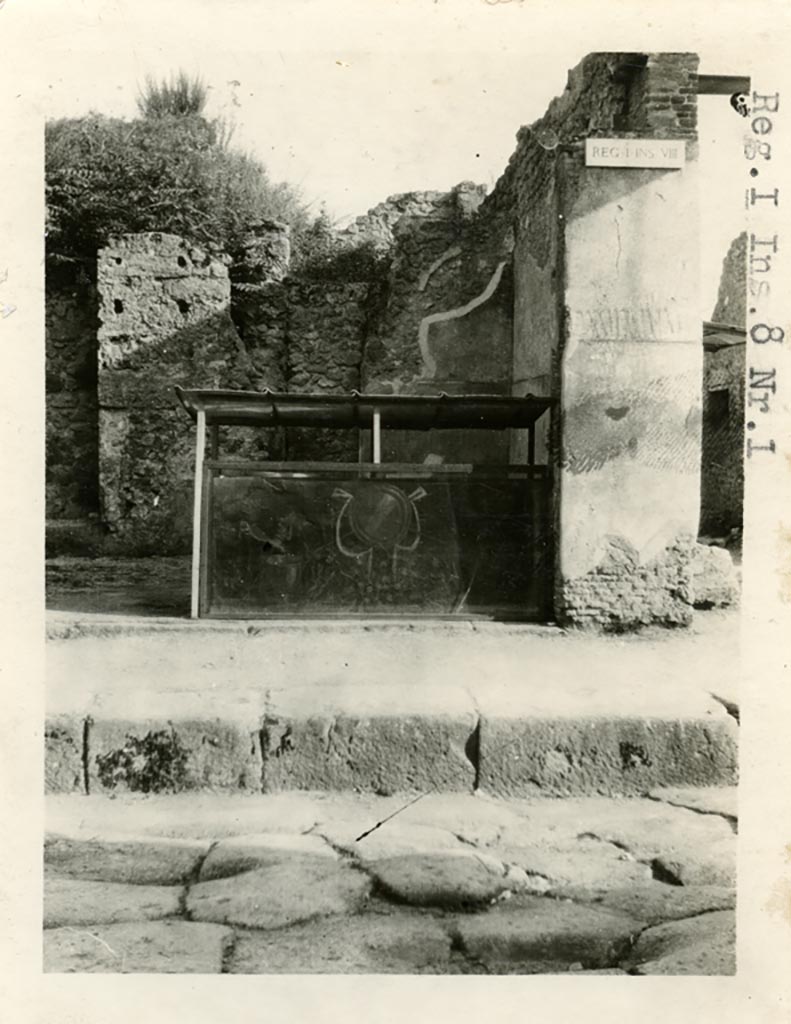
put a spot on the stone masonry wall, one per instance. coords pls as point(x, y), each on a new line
point(72, 426)
point(446, 323)
point(732, 295)
point(326, 336)
point(164, 321)
point(722, 484)
point(441, 321)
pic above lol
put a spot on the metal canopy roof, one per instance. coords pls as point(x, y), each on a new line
point(716, 336)
point(407, 412)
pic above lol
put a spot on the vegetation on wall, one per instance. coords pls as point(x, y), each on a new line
point(178, 95)
point(171, 170)
point(157, 763)
point(323, 254)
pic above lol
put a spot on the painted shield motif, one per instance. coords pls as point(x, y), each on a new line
point(380, 516)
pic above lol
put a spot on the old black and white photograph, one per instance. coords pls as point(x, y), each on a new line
point(408, 380)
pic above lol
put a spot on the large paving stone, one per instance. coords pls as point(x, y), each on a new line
point(542, 931)
point(615, 755)
point(393, 839)
point(721, 800)
point(164, 947)
point(285, 893)
point(688, 848)
point(653, 902)
point(604, 970)
point(218, 755)
point(450, 880)
point(185, 815)
point(697, 945)
point(688, 864)
point(68, 901)
point(63, 741)
point(246, 853)
point(581, 861)
point(143, 860)
point(398, 943)
point(473, 817)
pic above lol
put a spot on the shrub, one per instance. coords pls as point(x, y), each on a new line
point(324, 254)
point(174, 173)
point(179, 95)
point(155, 764)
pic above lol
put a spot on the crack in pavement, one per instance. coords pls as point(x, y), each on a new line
point(732, 819)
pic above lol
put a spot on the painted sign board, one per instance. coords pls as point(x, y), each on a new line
point(635, 152)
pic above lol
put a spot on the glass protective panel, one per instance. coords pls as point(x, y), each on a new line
point(348, 541)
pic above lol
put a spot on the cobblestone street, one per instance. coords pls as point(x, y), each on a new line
point(454, 884)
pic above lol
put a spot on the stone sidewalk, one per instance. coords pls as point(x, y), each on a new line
point(452, 884)
point(386, 707)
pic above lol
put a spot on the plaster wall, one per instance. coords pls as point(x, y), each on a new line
point(631, 412)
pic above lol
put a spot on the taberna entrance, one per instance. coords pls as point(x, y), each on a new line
point(375, 537)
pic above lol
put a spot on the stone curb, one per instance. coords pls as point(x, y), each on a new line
point(389, 753)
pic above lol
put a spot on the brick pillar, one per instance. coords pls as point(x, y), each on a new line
point(630, 353)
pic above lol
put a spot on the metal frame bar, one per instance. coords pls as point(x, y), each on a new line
point(377, 437)
point(197, 517)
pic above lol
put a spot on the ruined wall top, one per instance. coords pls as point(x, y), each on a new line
point(731, 305)
point(378, 225)
point(652, 95)
point(266, 255)
point(153, 285)
point(157, 254)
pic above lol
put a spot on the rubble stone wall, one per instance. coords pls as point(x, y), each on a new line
point(72, 425)
point(164, 311)
point(722, 490)
point(732, 295)
point(722, 484)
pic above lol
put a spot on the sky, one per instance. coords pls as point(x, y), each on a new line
point(352, 103)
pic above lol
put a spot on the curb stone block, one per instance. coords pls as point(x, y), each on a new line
point(63, 742)
point(70, 901)
point(282, 894)
point(378, 754)
point(161, 947)
point(142, 860)
point(196, 755)
point(562, 757)
point(698, 945)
